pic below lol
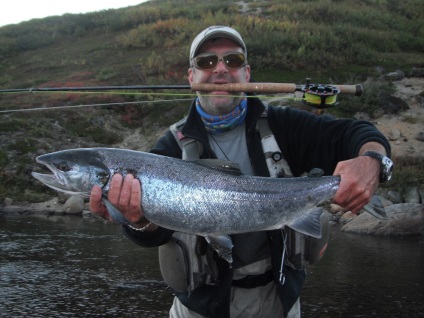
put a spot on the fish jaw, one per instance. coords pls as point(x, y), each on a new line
point(57, 181)
point(51, 181)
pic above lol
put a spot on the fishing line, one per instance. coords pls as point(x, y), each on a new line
point(116, 93)
point(96, 92)
point(91, 105)
point(119, 103)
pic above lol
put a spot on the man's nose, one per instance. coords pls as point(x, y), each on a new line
point(220, 67)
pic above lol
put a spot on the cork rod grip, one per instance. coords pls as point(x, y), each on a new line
point(245, 87)
point(267, 88)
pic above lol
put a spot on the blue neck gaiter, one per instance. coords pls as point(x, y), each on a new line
point(220, 124)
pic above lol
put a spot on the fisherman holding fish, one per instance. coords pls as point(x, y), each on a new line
point(258, 282)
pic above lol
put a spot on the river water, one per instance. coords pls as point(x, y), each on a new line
point(64, 266)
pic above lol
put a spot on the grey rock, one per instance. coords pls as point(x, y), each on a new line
point(410, 149)
point(395, 76)
point(420, 136)
point(52, 206)
point(412, 195)
point(385, 201)
point(347, 217)
point(417, 72)
point(394, 134)
point(404, 219)
point(394, 197)
point(74, 205)
point(420, 99)
point(8, 201)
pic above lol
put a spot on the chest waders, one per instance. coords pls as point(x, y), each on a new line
point(186, 262)
point(300, 250)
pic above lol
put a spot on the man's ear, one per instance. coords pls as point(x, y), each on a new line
point(247, 73)
point(190, 75)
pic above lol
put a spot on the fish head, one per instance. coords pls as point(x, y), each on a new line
point(75, 171)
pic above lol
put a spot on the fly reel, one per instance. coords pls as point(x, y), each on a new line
point(320, 96)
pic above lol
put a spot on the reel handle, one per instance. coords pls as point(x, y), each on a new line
point(356, 90)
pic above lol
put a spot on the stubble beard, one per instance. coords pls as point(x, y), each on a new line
point(219, 105)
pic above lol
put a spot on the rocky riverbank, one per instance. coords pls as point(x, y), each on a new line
point(404, 219)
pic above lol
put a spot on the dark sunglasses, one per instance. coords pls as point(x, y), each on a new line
point(208, 61)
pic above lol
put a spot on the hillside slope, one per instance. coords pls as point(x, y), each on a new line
point(148, 44)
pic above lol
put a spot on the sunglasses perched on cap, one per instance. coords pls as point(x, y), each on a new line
point(208, 61)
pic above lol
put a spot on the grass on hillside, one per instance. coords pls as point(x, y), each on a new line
point(329, 41)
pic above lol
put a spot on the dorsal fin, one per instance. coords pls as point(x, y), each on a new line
point(221, 165)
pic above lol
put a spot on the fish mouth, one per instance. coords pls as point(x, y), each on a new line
point(55, 180)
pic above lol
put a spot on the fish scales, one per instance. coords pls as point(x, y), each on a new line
point(185, 196)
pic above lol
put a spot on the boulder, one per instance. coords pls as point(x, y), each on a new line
point(394, 196)
point(412, 195)
point(8, 202)
point(394, 134)
point(395, 76)
point(74, 205)
point(403, 220)
point(420, 136)
point(347, 217)
point(417, 72)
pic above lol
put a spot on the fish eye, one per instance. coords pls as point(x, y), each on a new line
point(62, 166)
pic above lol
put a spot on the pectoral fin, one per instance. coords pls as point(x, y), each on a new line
point(223, 245)
point(114, 213)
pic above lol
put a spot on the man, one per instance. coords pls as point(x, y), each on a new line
point(225, 124)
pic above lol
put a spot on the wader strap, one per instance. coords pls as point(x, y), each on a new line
point(253, 281)
point(191, 148)
point(277, 165)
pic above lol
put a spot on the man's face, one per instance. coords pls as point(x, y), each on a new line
point(219, 102)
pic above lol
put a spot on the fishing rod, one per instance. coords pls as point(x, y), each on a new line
point(320, 96)
point(92, 88)
point(229, 87)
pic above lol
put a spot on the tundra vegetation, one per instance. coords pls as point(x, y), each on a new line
point(331, 41)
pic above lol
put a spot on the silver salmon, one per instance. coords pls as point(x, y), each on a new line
point(210, 198)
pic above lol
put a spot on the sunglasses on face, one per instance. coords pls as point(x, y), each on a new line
point(208, 61)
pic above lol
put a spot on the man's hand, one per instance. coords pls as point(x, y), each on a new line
point(359, 180)
point(125, 195)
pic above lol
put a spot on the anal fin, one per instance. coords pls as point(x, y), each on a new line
point(309, 223)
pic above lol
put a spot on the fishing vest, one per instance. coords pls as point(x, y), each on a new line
point(187, 263)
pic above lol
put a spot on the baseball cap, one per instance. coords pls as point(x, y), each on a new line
point(213, 32)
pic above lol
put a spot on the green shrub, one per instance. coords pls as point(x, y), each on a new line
point(369, 102)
